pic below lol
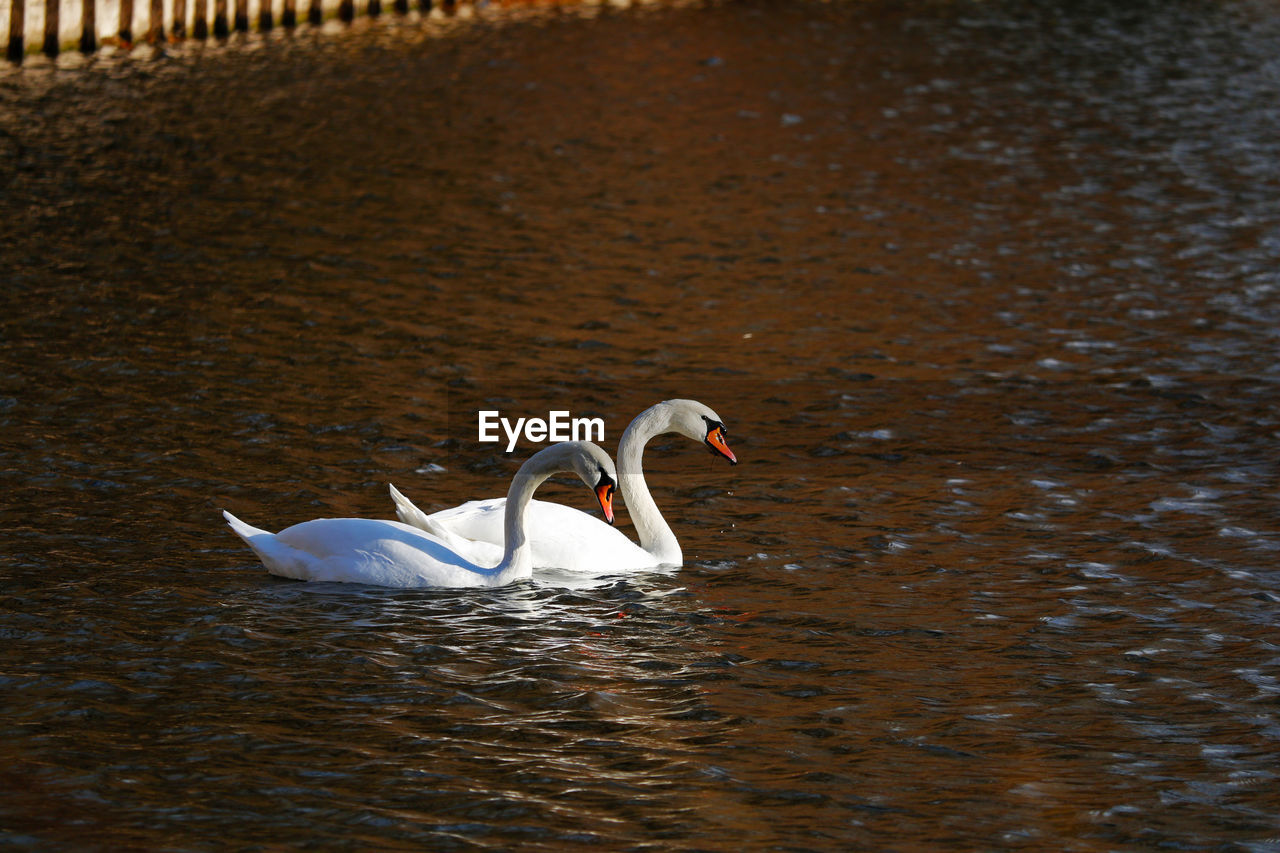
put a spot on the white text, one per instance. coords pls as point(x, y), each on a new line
point(557, 427)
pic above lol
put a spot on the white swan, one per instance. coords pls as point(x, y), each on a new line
point(563, 537)
point(388, 553)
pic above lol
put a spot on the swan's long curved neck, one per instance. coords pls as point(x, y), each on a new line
point(655, 534)
point(517, 558)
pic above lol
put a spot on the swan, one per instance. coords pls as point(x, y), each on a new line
point(388, 553)
point(563, 537)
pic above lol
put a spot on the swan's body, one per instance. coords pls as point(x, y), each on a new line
point(388, 553)
point(567, 538)
point(559, 536)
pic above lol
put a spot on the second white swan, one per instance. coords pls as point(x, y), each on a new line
point(566, 538)
point(388, 553)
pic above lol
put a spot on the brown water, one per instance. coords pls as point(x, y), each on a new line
point(986, 293)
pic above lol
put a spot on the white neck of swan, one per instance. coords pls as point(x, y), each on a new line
point(517, 558)
point(652, 529)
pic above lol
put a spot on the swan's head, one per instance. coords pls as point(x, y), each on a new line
point(592, 465)
point(698, 422)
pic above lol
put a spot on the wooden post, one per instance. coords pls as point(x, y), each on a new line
point(315, 15)
point(200, 26)
point(374, 8)
point(126, 22)
point(155, 28)
point(242, 16)
point(424, 6)
point(51, 22)
point(220, 18)
point(401, 7)
point(17, 27)
point(289, 15)
point(88, 26)
point(265, 19)
point(179, 28)
point(347, 11)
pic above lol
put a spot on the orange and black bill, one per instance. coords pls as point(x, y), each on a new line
point(604, 494)
point(717, 442)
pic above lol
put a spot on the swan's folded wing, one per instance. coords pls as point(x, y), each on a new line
point(561, 537)
point(482, 521)
point(473, 520)
point(481, 550)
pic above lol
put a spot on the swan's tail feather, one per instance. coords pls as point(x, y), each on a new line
point(244, 531)
point(279, 558)
point(407, 512)
point(478, 552)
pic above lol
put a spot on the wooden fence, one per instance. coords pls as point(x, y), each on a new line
point(225, 20)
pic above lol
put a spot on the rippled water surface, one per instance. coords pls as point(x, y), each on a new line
point(986, 293)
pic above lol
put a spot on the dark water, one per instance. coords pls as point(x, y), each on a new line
point(986, 292)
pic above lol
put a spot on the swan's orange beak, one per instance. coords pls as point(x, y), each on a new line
point(718, 445)
point(604, 494)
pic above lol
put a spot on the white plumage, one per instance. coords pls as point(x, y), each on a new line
point(567, 538)
point(389, 553)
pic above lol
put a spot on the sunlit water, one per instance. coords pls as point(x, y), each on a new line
point(986, 293)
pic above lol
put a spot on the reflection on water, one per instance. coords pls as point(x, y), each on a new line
point(986, 294)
